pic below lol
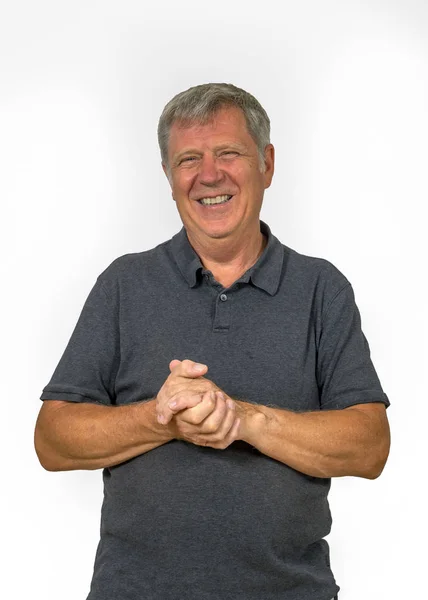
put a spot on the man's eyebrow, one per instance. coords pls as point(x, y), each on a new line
point(227, 145)
point(232, 145)
point(184, 152)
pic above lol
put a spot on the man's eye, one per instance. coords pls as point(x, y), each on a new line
point(228, 153)
point(187, 159)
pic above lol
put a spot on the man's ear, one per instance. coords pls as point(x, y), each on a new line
point(269, 164)
point(165, 170)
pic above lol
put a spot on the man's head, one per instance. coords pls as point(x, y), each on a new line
point(199, 105)
point(214, 141)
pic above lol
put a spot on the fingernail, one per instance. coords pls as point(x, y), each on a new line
point(161, 419)
point(230, 403)
point(198, 367)
point(221, 395)
point(172, 404)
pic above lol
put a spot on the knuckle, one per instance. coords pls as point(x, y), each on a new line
point(207, 403)
point(191, 400)
point(196, 399)
point(221, 412)
point(192, 419)
point(210, 428)
point(231, 417)
point(219, 433)
point(173, 398)
point(219, 440)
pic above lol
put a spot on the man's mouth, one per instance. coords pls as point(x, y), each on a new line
point(216, 200)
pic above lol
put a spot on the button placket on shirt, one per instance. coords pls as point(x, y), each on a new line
point(222, 315)
point(223, 301)
point(222, 311)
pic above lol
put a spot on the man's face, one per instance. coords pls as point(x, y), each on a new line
point(212, 160)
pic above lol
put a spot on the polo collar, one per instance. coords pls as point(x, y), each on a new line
point(265, 273)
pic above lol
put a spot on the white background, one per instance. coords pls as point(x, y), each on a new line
point(82, 85)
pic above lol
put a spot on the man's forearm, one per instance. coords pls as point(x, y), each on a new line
point(91, 436)
point(323, 443)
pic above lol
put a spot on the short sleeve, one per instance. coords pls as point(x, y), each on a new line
point(345, 372)
point(87, 369)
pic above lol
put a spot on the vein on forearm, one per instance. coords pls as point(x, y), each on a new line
point(321, 443)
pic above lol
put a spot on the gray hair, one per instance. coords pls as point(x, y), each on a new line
point(200, 103)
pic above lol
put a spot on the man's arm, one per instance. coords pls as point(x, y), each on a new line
point(70, 436)
point(327, 443)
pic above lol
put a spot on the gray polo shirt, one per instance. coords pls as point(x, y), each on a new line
point(191, 522)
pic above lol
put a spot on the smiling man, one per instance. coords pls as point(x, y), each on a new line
point(220, 380)
point(218, 181)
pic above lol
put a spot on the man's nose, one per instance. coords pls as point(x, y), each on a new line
point(209, 172)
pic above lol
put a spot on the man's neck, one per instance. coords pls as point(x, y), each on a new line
point(227, 258)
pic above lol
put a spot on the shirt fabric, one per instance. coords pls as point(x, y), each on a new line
point(186, 521)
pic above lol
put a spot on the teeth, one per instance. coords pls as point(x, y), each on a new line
point(216, 200)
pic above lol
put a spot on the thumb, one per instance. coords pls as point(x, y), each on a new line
point(188, 368)
point(174, 363)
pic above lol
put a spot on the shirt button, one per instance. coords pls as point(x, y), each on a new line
point(223, 297)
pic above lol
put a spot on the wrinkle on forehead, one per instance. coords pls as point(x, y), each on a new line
point(210, 119)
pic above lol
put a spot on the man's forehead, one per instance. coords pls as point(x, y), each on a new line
point(226, 127)
point(223, 116)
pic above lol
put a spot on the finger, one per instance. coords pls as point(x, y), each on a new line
point(164, 416)
point(221, 420)
point(196, 415)
point(214, 421)
point(183, 402)
point(233, 434)
point(174, 363)
point(165, 412)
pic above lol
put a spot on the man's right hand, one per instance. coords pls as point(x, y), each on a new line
point(212, 422)
point(185, 385)
point(203, 414)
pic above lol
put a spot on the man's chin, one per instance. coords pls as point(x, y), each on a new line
point(213, 231)
point(219, 234)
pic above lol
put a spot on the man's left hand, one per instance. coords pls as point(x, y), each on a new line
point(184, 400)
point(213, 422)
point(186, 415)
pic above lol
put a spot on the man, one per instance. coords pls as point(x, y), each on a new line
point(220, 380)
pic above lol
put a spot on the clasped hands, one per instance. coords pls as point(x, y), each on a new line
point(195, 409)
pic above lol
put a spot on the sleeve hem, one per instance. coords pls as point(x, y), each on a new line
point(345, 403)
point(71, 397)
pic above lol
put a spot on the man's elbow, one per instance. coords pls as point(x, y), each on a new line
point(374, 472)
point(56, 464)
point(376, 464)
point(375, 454)
point(49, 459)
point(45, 460)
